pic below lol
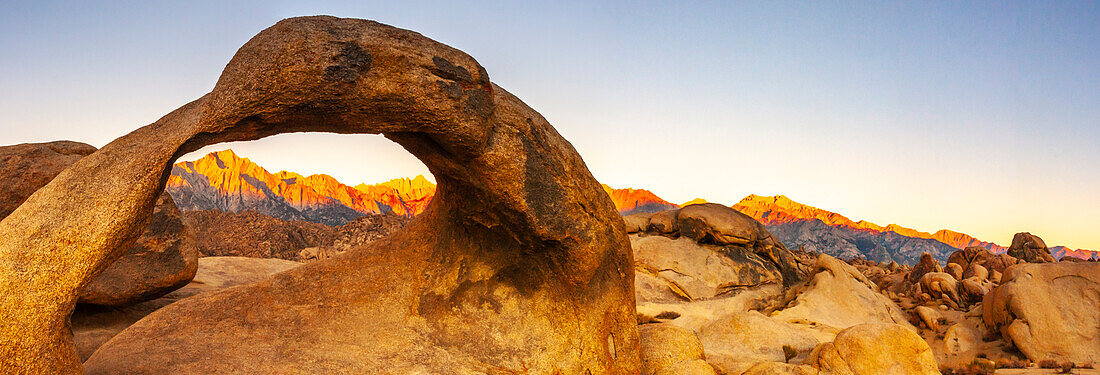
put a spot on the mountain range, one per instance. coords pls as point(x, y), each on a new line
point(226, 182)
point(815, 229)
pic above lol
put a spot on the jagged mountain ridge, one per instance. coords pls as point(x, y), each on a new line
point(226, 182)
point(632, 201)
point(825, 231)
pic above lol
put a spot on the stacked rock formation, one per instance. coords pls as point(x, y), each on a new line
point(517, 233)
point(1029, 248)
point(162, 259)
point(709, 249)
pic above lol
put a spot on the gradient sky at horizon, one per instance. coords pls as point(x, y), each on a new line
point(973, 117)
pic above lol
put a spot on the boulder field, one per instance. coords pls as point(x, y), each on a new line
point(714, 287)
point(520, 263)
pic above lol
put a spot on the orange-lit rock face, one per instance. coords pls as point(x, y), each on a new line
point(631, 201)
point(780, 209)
point(224, 181)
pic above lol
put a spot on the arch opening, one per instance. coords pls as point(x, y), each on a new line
point(518, 228)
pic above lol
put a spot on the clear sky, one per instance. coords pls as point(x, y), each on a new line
point(982, 118)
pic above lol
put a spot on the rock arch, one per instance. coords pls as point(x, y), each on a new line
point(520, 264)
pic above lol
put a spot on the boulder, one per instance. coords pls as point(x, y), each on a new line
point(1000, 262)
point(738, 340)
point(977, 271)
point(836, 297)
point(1048, 311)
point(709, 250)
point(27, 167)
point(1029, 248)
point(664, 222)
point(983, 257)
point(995, 276)
point(961, 338)
point(972, 290)
point(703, 271)
point(925, 265)
point(162, 259)
point(875, 349)
point(665, 346)
point(637, 222)
point(969, 255)
point(518, 231)
point(940, 285)
point(928, 316)
point(718, 224)
point(955, 270)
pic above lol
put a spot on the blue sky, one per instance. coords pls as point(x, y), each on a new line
point(978, 117)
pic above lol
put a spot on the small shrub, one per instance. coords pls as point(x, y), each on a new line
point(1067, 368)
point(1010, 363)
point(979, 366)
point(1049, 363)
point(667, 315)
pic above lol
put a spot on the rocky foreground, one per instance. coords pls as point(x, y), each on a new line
point(716, 294)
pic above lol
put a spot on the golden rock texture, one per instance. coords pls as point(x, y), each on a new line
point(520, 263)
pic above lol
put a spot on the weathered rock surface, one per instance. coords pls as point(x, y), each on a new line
point(779, 368)
point(703, 271)
point(1029, 248)
point(875, 349)
point(664, 222)
point(517, 233)
point(94, 325)
point(737, 341)
point(665, 347)
point(926, 264)
point(1048, 311)
point(928, 316)
point(955, 270)
point(961, 338)
point(162, 259)
point(637, 222)
point(27, 167)
point(977, 271)
point(940, 285)
point(980, 256)
point(718, 224)
point(838, 296)
point(725, 232)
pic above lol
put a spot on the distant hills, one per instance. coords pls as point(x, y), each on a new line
point(226, 182)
